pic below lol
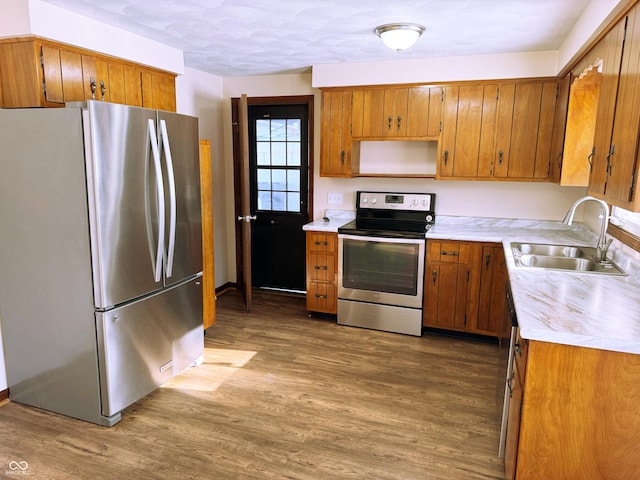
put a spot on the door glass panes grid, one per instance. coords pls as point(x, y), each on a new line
point(279, 166)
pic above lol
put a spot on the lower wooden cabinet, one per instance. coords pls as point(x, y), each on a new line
point(464, 286)
point(322, 272)
point(578, 415)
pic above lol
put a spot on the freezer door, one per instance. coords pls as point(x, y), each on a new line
point(145, 343)
point(179, 149)
point(123, 202)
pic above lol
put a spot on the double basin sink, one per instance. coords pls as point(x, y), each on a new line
point(562, 257)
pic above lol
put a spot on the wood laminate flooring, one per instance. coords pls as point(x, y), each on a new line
point(281, 395)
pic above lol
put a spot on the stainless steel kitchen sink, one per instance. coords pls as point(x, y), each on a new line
point(550, 250)
point(567, 258)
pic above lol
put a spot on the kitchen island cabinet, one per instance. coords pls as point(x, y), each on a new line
point(579, 415)
point(322, 272)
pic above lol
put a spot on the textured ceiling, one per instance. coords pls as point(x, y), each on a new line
point(255, 37)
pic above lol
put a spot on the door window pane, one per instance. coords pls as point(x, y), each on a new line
point(278, 201)
point(293, 154)
point(263, 130)
point(264, 179)
point(293, 129)
point(293, 202)
point(293, 180)
point(278, 150)
point(264, 200)
point(278, 130)
point(263, 152)
point(279, 180)
point(278, 153)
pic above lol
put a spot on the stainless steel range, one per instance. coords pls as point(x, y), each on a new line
point(381, 261)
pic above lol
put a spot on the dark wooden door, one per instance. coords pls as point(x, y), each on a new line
point(278, 173)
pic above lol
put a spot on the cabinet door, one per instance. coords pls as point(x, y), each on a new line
point(520, 153)
point(95, 73)
point(436, 101)
point(504, 122)
point(559, 126)
point(132, 86)
point(72, 83)
point(335, 141)
point(158, 91)
point(395, 112)
point(462, 120)
point(487, 148)
point(492, 304)
point(445, 301)
point(418, 114)
point(50, 58)
point(116, 83)
point(367, 113)
point(543, 142)
point(467, 145)
point(513, 424)
point(626, 126)
point(447, 144)
point(611, 46)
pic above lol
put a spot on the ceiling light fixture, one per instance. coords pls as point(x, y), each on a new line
point(399, 36)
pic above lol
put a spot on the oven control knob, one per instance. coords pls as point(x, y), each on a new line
point(429, 218)
point(364, 200)
point(415, 202)
point(374, 201)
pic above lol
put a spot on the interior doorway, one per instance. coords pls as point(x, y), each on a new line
point(280, 170)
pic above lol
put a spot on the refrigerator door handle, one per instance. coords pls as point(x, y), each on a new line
point(153, 140)
point(172, 196)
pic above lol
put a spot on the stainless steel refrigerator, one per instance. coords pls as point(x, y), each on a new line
point(100, 255)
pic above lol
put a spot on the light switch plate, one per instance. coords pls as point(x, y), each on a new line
point(334, 199)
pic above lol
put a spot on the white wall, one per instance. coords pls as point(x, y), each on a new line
point(200, 94)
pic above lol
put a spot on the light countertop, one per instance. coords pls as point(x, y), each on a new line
point(581, 309)
point(336, 219)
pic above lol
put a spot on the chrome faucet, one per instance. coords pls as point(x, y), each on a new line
point(603, 243)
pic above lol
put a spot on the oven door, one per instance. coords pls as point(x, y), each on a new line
point(381, 270)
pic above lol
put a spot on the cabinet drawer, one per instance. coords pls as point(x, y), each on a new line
point(321, 267)
point(448, 252)
point(321, 242)
point(321, 297)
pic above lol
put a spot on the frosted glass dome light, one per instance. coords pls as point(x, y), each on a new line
point(399, 36)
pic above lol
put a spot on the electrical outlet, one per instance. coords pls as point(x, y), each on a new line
point(334, 199)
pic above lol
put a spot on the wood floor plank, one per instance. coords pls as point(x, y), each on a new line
point(281, 395)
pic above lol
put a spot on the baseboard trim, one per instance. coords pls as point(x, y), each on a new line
point(4, 394)
point(226, 287)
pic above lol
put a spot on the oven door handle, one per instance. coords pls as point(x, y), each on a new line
point(366, 238)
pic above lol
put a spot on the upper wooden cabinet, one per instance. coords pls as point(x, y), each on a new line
point(396, 112)
point(336, 146)
point(498, 131)
point(615, 160)
point(39, 73)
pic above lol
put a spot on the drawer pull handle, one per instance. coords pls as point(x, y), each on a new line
point(321, 267)
point(453, 254)
point(322, 296)
point(325, 244)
